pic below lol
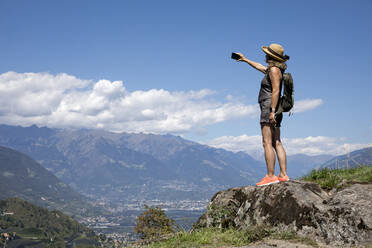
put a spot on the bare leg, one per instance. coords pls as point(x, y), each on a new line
point(280, 152)
point(268, 147)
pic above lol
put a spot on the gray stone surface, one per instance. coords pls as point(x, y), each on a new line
point(341, 217)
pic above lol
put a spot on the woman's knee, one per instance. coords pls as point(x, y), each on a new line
point(266, 142)
point(277, 143)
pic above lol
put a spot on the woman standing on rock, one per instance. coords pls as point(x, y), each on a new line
point(271, 86)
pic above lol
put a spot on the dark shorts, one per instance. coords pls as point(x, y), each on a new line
point(265, 113)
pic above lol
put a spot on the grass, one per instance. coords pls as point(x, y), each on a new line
point(292, 236)
point(209, 237)
point(336, 178)
point(214, 237)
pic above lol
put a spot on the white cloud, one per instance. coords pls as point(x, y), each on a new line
point(34, 94)
point(321, 145)
point(307, 104)
point(309, 145)
point(66, 101)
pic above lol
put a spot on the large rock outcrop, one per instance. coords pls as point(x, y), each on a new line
point(339, 217)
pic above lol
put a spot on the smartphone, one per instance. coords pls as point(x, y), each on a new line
point(235, 56)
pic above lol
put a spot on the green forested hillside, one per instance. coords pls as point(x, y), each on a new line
point(40, 226)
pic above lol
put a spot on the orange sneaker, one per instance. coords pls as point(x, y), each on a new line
point(267, 181)
point(283, 179)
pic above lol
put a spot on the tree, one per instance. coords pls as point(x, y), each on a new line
point(153, 223)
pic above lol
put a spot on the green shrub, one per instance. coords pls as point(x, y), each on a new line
point(153, 223)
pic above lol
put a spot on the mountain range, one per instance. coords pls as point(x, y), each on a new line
point(127, 167)
point(123, 166)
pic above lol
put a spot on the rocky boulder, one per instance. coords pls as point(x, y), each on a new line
point(340, 217)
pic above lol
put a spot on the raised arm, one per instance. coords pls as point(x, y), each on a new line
point(255, 65)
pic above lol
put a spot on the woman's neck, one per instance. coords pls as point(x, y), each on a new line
point(280, 65)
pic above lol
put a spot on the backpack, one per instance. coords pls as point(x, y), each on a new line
point(286, 101)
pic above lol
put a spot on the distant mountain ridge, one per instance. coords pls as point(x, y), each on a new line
point(301, 164)
point(352, 159)
point(133, 166)
point(22, 177)
point(124, 167)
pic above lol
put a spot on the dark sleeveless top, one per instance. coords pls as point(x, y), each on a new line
point(266, 87)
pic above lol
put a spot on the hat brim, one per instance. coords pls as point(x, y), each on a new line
point(264, 48)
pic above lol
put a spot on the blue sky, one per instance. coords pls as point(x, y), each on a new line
point(165, 67)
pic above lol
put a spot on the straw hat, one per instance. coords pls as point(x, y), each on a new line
point(276, 51)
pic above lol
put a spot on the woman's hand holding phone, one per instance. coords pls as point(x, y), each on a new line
point(238, 56)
